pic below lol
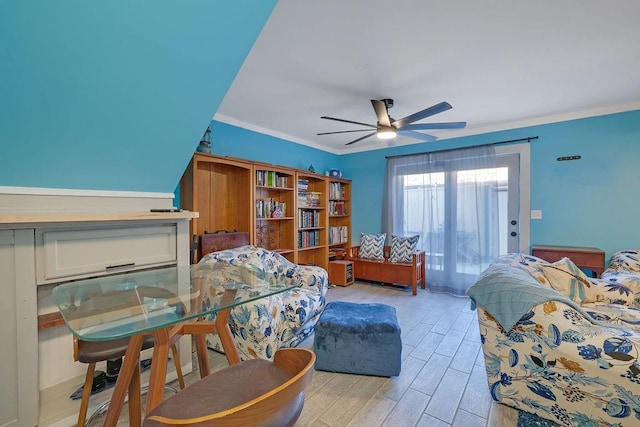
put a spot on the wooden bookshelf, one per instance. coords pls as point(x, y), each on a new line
point(341, 272)
point(263, 200)
point(274, 202)
point(312, 220)
point(221, 190)
point(339, 214)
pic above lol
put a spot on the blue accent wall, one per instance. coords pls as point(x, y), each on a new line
point(228, 140)
point(588, 202)
point(115, 95)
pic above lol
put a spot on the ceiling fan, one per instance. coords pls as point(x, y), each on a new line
point(388, 127)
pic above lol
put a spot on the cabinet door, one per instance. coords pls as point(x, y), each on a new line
point(78, 253)
point(18, 327)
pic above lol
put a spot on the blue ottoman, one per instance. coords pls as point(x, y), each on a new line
point(358, 339)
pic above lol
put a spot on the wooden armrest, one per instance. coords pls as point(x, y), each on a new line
point(352, 252)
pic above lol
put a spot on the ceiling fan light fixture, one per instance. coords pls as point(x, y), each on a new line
point(386, 132)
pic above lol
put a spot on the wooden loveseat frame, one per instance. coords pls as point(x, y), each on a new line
point(385, 271)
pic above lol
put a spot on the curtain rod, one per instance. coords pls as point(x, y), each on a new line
point(528, 139)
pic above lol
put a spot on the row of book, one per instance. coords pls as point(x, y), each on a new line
point(338, 234)
point(270, 208)
point(308, 219)
point(271, 179)
point(337, 208)
point(307, 239)
point(337, 191)
point(310, 199)
point(303, 184)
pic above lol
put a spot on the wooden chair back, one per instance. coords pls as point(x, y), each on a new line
point(296, 361)
point(214, 242)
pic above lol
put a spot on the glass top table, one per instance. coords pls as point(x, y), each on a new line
point(166, 303)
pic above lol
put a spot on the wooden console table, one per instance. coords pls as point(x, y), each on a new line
point(585, 258)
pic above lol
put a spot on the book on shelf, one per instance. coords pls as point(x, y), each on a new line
point(308, 239)
point(303, 184)
point(337, 191)
point(337, 208)
point(270, 208)
point(309, 199)
point(308, 219)
point(267, 178)
point(337, 252)
point(338, 234)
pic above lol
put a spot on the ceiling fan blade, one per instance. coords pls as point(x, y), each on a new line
point(422, 136)
point(427, 112)
point(381, 112)
point(344, 131)
point(425, 126)
point(360, 139)
point(349, 121)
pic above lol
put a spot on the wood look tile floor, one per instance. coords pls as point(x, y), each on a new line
point(442, 383)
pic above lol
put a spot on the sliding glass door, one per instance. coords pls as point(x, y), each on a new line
point(466, 213)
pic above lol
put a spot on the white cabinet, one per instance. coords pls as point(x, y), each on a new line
point(33, 254)
point(18, 329)
point(50, 236)
point(88, 251)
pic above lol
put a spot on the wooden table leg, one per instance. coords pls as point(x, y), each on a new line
point(127, 371)
point(158, 368)
point(203, 355)
point(224, 332)
point(135, 401)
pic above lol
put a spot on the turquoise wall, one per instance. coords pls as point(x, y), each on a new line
point(588, 202)
point(115, 95)
point(234, 141)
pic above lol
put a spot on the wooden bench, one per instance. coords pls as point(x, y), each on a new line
point(385, 271)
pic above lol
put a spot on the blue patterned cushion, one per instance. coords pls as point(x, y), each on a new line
point(402, 248)
point(371, 246)
point(261, 327)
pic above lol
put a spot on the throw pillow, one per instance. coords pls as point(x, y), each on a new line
point(619, 288)
point(402, 248)
point(371, 246)
point(565, 277)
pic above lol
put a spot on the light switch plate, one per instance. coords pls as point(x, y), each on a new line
point(536, 214)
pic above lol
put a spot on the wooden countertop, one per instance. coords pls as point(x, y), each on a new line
point(62, 217)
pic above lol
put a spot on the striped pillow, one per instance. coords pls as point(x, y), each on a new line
point(402, 248)
point(371, 246)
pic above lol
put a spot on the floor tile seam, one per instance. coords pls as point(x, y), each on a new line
point(439, 381)
point(466, 386)
point(458, 409)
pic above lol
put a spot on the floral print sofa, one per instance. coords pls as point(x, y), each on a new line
point(560, 344)
point(260, 327)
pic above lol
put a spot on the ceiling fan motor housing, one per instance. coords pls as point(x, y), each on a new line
point(387, 127)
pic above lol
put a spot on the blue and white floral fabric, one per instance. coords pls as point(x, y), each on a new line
point(575, 367)
point(261, 327)
point(624, 272)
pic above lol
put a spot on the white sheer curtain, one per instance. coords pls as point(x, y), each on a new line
point(449, 198)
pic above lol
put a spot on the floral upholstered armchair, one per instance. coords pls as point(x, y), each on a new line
point(560, 344)
point(261, 327)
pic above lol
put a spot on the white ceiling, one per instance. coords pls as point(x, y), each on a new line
point(500, 63)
